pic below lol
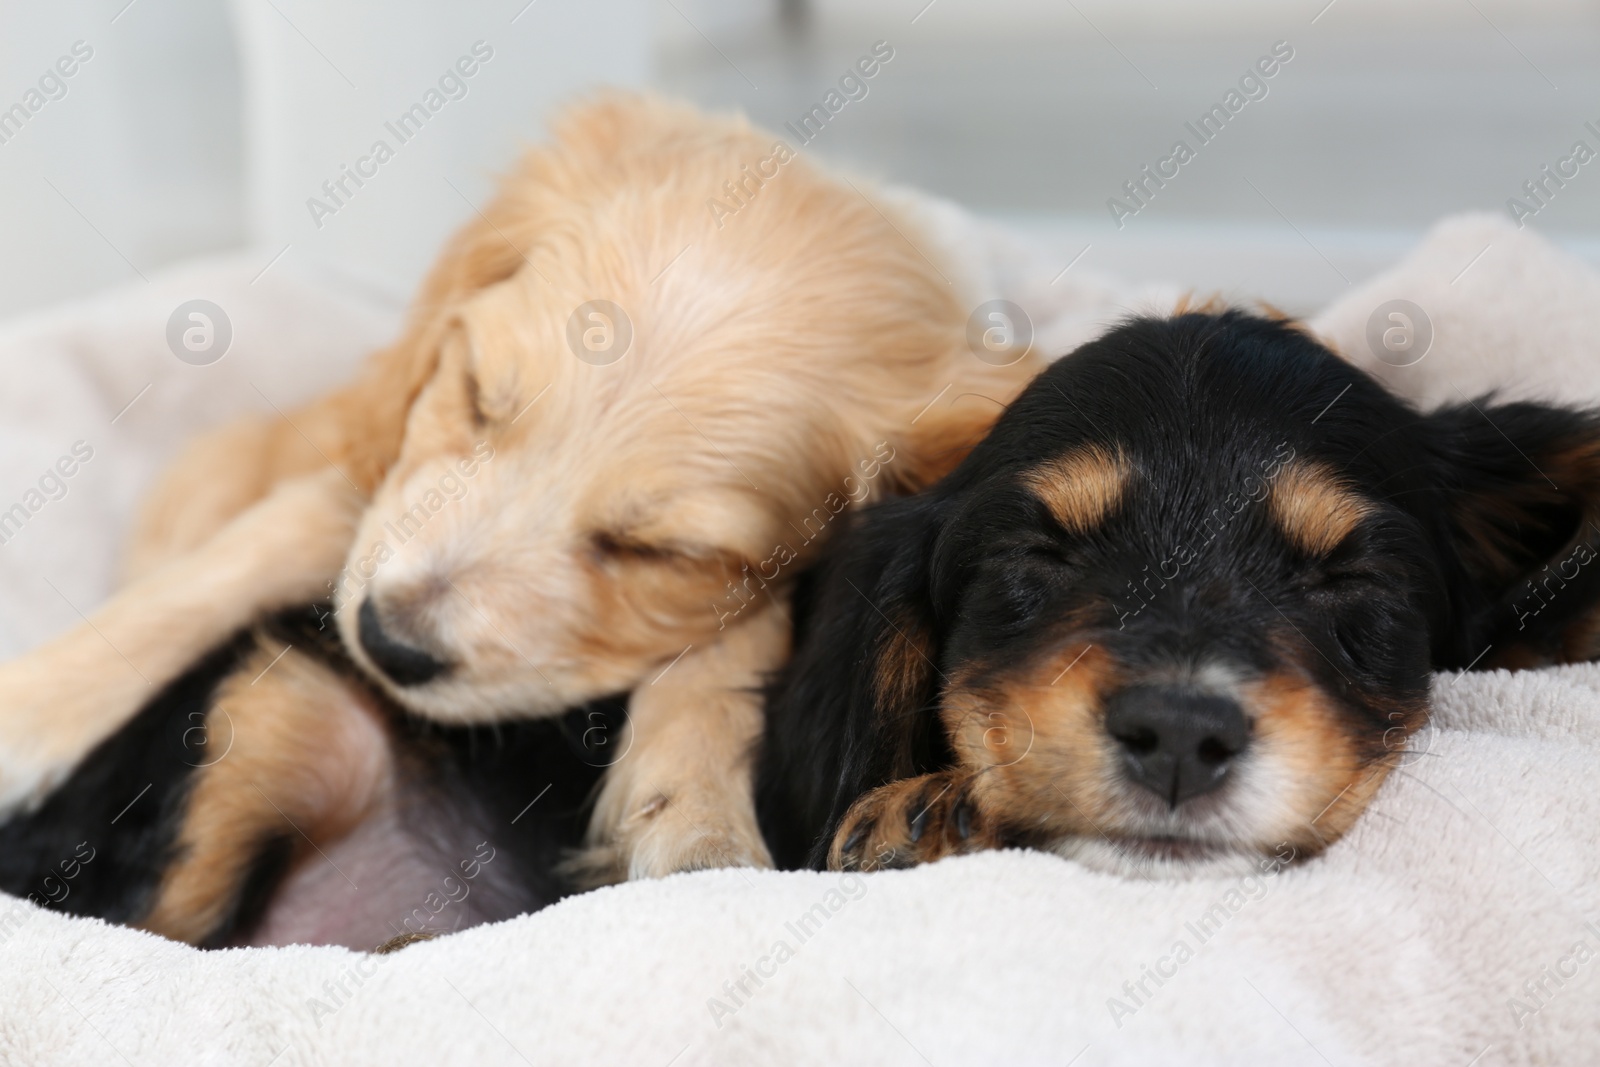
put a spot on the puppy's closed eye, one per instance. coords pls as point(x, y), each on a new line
point(458, 379)
point(493, 406)
point(614, 546)
point(474, 392)
point(1337, 583)
point(1018, 584)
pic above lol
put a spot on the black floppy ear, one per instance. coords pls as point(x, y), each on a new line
point(854, 708)
point(1521, 483)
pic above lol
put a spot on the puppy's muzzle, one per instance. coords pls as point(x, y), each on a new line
point(1176, 744)
point(402, 663)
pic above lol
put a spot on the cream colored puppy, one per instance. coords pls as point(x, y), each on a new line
point(617, 425)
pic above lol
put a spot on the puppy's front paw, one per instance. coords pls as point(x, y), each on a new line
point(662, 834)
point(680, 838)
point(912, 821)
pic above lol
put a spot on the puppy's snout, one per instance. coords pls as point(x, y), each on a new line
point(1174, 743)
point(404, 663)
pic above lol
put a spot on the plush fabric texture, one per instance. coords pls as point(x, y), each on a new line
point(1459, 923)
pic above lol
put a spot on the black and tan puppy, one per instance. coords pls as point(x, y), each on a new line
point(1180, 609)
point(386, 826)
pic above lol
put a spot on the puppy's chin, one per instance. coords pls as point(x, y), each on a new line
point(1164, 858)
point(465, 701)
point(461, 703)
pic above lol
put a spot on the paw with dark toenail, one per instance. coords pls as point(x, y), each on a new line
point(912, 821)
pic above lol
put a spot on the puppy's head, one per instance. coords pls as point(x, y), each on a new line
point(644, 418)
point(1184, 603)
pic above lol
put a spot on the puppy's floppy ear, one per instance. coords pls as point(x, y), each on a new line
point(1521, 484)
point(855, 707)
point(942, 433)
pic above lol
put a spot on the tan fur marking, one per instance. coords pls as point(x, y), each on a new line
point(1298, 325)
point(1327, 783)
point(1036, 743)
point(1314, 508)
point(903, 665)
point(1082, 488)
point(295, 753)
point(1192, 304)
point(1039, 760)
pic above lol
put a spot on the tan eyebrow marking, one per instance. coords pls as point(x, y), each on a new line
point(1192, 302)
point(1081, 488)
point(1314, 507)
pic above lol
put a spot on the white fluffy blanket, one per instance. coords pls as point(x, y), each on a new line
point(1458, 924)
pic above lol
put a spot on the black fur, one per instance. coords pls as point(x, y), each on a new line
point(272, 862)
point(462, 785)
point(526, 787)
point(124, 803)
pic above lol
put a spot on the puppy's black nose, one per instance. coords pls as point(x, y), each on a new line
point(1176, 744)
point(403, 664)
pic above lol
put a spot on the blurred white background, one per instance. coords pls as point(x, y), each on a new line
point(202, 125)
